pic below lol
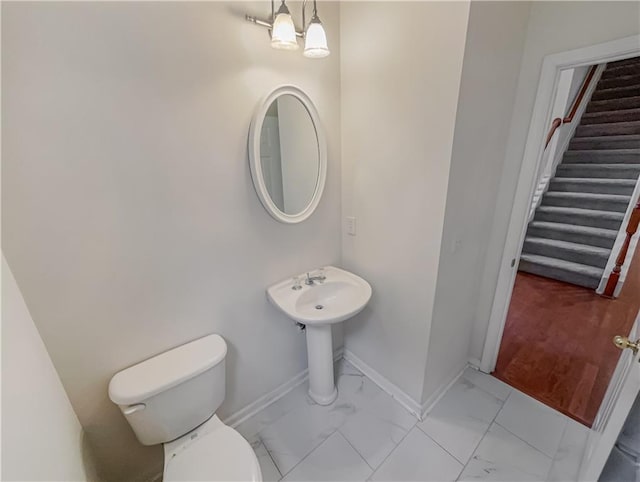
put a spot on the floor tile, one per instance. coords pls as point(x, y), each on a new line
point(293, 436)
point(566, 462)
point(501, 456)
point(333, 460)
point(533, 422)
point(375, 430)
point(270, 472)
point(487, 383)
point(354, 387)
point(460, 419)
point(418, 457)
point(295, 399)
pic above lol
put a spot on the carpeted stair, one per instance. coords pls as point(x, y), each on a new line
point(574, 228)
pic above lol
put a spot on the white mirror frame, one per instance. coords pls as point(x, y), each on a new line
point(256, 165)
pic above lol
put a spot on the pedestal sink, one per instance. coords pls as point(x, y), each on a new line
point(338, 297)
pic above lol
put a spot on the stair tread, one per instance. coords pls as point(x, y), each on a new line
point(564, 265)
point(617, 137)
point(585, 248)
point(575, 228)
point(624, 76)
point(625, 88)
point(605, 152)
point(630, 101)
point(623, 62)
point(595, 180)
point(601, 113)
point(613, 124)
point(600, 165)
point(589, 195)
point(596, 213)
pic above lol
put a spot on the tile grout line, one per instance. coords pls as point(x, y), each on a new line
point(357, 451)
point(305, 457)
point(511, 389)
point(522, 440)
point(270, 457)
point(485, 433)
point(336, 429)
point(552, 457)
point(392, 451)
point(439, 445)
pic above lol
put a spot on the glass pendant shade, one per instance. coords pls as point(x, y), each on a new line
point(283, 34)
point(315, 45)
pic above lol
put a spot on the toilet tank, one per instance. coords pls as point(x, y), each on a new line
point(170, 394)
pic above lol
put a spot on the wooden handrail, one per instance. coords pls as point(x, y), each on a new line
point(614, 277)
point(557, 122)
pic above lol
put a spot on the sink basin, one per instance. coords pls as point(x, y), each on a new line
point(339, 297)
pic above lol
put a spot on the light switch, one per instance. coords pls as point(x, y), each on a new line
point(351, 225)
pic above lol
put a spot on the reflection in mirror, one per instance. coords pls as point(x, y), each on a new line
point(289, 154)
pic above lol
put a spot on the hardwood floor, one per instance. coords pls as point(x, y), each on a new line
point(557, 344)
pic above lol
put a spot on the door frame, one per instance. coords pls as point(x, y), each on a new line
point(531, 164)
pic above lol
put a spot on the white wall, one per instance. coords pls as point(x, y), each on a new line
point(494, 44)
point(41, 436)
point(400, 71)
point(553, 27)
point(577, 76)
point(129, 215)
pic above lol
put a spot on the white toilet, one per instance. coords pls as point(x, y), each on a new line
point(172, 399)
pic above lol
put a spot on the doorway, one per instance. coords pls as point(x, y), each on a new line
point(550, 333)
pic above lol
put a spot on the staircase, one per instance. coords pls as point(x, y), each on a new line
point(574, 228)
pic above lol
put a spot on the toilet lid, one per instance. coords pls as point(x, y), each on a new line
point(222, 454)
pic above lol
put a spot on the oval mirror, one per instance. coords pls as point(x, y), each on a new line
point(287, 155)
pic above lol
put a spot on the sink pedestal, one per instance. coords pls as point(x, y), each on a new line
point(320, 356)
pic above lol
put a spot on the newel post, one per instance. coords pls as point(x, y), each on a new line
point(614, 277)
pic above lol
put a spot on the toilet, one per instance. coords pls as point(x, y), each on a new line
point(171, 399)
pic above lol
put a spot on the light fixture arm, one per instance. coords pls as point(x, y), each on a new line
point(269, 24)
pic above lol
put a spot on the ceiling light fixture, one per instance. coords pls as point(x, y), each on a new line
point(284, 34)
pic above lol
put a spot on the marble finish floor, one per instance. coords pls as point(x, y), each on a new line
point(481, 429)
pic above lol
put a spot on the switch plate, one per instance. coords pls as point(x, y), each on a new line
point(351, 225)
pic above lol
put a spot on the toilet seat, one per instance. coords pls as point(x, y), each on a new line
point(211, 452)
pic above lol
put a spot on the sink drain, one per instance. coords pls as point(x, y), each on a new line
point(319, 307)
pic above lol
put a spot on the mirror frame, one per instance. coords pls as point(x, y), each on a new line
point(255, 131)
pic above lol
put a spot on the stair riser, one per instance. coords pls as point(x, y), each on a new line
point(568, 170)
point(566, 254)
point(617, 93)
point(559, 185)
point(599, 204)
point(632, 69)
point(591, 239)
point(614, 104)
point(608, 116)
point(593, 222)
point(601, 157)
point(621, 81)
point(579, 143)
point(613, 129)
point(559, 274)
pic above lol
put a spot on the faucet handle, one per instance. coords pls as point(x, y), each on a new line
point(321, 274)
point(296, 284)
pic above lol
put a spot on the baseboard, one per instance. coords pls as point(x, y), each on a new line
point(396, 392)
point(474, 362)
point(264, 401)
point(430, 402)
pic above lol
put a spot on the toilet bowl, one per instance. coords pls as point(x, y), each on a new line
point(171, 399)
point(213, 451)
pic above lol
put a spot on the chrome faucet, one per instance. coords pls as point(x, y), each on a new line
point(312, 279)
